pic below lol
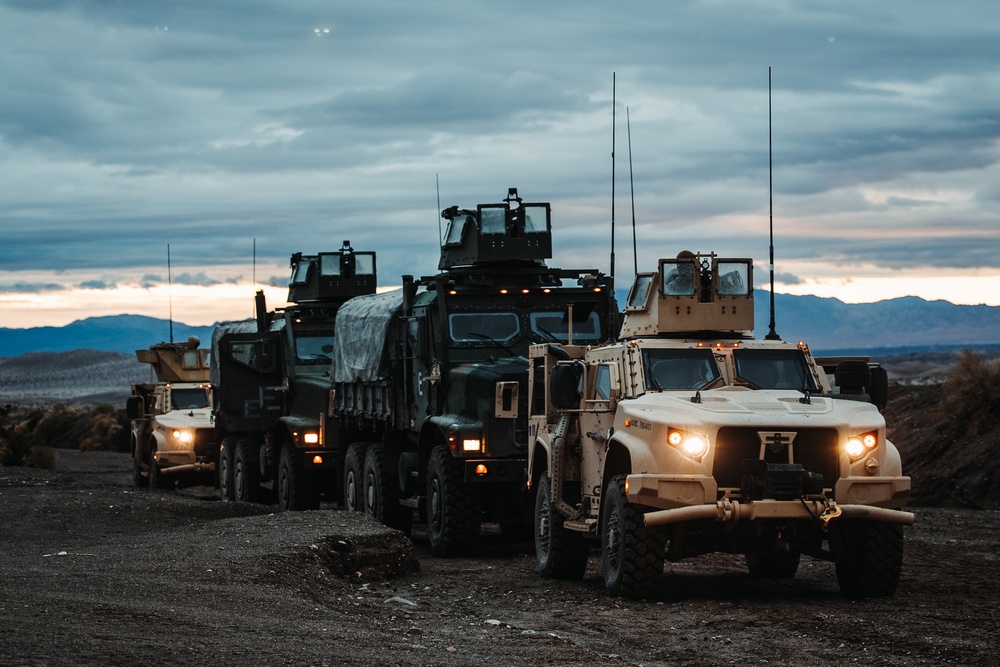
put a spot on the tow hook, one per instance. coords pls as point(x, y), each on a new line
point(831, 512)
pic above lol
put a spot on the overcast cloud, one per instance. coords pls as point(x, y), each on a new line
point(228, 128)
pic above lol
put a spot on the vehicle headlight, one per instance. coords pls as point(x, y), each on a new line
point(692, 445)
point(857, 446)
point(310, 438)
point(186, 437)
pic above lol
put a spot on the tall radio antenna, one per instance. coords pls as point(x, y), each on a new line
point(771, 334)
point(170, 296)
point(613, 106)
point(631, 183)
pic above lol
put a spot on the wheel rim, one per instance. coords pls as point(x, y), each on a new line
point(371, 498)
point(283, 493)
point(436, 509)
point(612, 539)
point(238, 480)
point(351, 491)
point(544, 532)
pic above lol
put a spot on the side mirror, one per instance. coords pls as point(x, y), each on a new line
point(564, 386)
point(133, 407)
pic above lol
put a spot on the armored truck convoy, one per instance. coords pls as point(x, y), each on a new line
point(172, 434)
point(429, 391)
point(687, 437)
point(270, 382)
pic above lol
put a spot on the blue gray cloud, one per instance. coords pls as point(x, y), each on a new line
point(217, 127)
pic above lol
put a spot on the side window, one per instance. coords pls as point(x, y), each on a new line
point(603, 383)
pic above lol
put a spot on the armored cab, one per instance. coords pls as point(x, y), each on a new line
point(172, 435)
point(689, 437)
point(271, 382)
point(436, 401)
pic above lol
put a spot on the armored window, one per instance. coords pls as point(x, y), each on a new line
point(364, 263)
point(480, 327)
point(192, 359)
point(456, 226)
point(553, 326)
point(329, 264)
point(189, 399)
point(640, 290)
point(536, 219)
point(315, 348)
point(773, 369)
point(679, 369)
point(300, 274)
point(602, 387)
point(734, 278)
point(679, 278)
point(493, 220)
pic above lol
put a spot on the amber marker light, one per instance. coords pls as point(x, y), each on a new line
point(503, 291)
point(525, 291)
point(482, 470)
point(318, 460)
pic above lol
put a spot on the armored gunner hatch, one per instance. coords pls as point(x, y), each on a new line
point(512, 233)
point(331, 276)
point(692, 295)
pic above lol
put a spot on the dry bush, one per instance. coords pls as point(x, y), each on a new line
point(63, 427)
point(970, 401)
point(108, 430)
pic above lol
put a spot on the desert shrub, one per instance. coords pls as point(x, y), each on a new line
point(15, 445)
point(970, 401)
point(63, 427)
point(43, 457)
point(108, 430)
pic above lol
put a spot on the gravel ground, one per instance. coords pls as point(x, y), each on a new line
point(96, 572)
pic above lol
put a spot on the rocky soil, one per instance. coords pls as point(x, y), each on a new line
point(96, 572)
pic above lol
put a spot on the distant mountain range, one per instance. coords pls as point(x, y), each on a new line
point(828, 325)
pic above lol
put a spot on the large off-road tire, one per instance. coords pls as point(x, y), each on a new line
point(381, 491)
point(773, 565)
point(560, 553)
point(225, 466)
point(157, 480)
point(137, 477)
point(632, 554)
point(297, 490)
point(869, 558)
point(246, 474)
point(454, 514)
point(354, 463)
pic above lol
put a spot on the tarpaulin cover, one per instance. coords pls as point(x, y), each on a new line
point(244, 326)
point(359, 352)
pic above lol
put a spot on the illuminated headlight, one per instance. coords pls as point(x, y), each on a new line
point(310, 438)
point(859, 445)
point(471, 444)
point(183, 436)
point(693, 445)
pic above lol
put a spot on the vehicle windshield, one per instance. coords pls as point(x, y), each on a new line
point(315, 348)
point(553, 326)
point(479, 327)
point(188, 399)
point(773, 369)
point(679, 369)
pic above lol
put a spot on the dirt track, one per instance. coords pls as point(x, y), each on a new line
point(94, 571)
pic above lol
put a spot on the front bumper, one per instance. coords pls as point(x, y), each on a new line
point(694, 497)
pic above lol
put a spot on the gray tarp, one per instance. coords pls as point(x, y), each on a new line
point(362, 326)
point(244, 326)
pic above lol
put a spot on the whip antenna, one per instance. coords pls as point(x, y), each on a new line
point(613, 103)
point(631, 183)
point(170, 296)
point(771, 335)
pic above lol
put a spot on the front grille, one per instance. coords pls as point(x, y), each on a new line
point(815, 449)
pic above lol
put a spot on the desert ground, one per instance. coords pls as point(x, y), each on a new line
point(95, 572)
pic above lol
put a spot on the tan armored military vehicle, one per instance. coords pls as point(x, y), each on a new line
point(688, 437)
point(172, 427)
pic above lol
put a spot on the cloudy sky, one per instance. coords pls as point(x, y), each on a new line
point(222, 126)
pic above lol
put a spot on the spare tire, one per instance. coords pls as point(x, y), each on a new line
point(853, 375)
point(879, 388)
